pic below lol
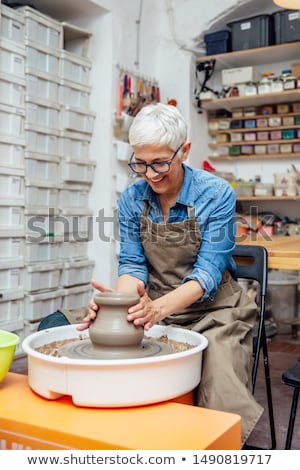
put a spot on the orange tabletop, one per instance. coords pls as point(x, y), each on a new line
point(283, 252)
point(28, 421)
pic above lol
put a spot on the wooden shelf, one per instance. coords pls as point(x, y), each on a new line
point(254, 142)
point(270, 156)
point(255, 100)
point(259, 56)
point(256, 116)
point(254, 129)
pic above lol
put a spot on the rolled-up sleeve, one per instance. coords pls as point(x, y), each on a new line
point(218, 240)
point(132, 259)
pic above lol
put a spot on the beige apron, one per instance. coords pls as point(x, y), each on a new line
point(226, 321)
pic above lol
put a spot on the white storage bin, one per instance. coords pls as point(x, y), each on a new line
point(12, 277)
point(124, 150)
point(74, 196)
point(76, 40)
point(11, 308)
point(15, 326)
point(12, 90)
point(42, 252)
point(74, 94)
point(42, 86)
point(11, 220)
point(74, 145)
point(12, 121)
point(42, 195)
point(42, 28)
point(30, 328)
point(12, 58)
point(76, 119)
point(42, 276)
point(42, 167)
point(74, 68)
point(78, 296)
point(42, 140)
point(78, 224)
point(38, 306)
point(73, 250)
point(11, 249)
point(11, 186)
point(42, 113)
point(42, 58)
point(11, 24)
point(12, 151)
point(77, 171)
point(43, 223)
point(76, 272)
point(121, 182)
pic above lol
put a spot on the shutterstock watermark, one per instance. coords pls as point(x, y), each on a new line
point(72, 227)
point(254, 229)
point(82, 227)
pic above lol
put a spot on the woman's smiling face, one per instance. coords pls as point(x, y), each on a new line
point(161, 183)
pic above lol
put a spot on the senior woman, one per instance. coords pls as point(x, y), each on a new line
point(177, 234)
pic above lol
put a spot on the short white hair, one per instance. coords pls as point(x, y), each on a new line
point(158, 124)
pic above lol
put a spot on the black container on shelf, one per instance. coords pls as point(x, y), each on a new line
point(250, 33)
point(218, 42)
point(287, 26)
point(223, 113)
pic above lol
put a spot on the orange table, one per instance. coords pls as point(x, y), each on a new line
point(283, 252)
point(28, 421)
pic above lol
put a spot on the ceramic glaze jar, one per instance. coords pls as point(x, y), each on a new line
point(111, 327)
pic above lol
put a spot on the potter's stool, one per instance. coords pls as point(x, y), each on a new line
point(291, 377)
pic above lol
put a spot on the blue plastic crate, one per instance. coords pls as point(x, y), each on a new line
point(218, 42)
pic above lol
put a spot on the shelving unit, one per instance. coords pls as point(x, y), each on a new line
point(255, 100)
point(45, 168)
point(282, 53)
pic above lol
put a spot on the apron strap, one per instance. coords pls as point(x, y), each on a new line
point(190, 211)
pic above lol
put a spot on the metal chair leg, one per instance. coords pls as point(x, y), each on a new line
point(293, 412)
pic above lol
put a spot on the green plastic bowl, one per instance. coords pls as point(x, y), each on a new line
point(8, 343)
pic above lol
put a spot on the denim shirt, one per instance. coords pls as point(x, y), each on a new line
point(214, 202)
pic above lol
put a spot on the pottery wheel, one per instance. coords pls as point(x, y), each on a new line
point(85, 349)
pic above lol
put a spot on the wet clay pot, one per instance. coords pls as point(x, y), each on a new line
point(111, 329)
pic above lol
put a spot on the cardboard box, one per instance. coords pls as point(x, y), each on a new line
point(296, 69)
point(237, 75)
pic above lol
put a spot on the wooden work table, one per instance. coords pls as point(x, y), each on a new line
point(30, 421)
point(283, 252)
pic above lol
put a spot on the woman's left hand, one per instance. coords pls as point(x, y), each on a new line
point(144, 313)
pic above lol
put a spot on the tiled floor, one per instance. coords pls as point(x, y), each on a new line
point(283, 353)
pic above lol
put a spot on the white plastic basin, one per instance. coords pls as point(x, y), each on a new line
point(114, 383)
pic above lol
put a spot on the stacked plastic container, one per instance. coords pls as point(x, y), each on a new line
point(12, 175)
point(43, 293)
point(45, 171)
point(77, 169)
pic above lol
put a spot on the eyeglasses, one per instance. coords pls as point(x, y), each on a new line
point(159, 167)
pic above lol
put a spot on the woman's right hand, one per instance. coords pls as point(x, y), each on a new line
point(93, 307)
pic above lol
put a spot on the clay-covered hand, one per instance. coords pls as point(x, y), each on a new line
point(145, 312)
point(93, 307)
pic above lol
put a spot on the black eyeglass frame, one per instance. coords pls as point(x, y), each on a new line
point(153, 164)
